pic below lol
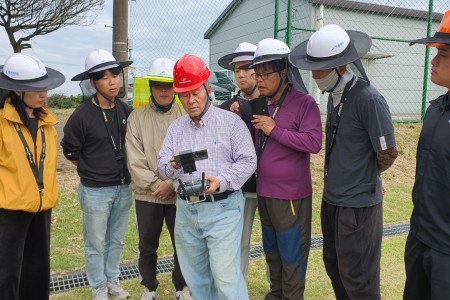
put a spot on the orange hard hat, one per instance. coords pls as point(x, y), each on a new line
point(442, 35)
point(189, 73)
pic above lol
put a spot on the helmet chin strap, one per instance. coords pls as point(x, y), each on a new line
point(111, 102)
point(337, 81)
point(207, 104)
point(281, 81)
point(251, 93)
point(160, 107)
point(208, 101)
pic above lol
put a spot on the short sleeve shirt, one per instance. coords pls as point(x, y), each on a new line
point(365, 128)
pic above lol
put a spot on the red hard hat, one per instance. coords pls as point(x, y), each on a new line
point(189, 73)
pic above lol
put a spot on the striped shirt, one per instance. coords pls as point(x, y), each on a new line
point(231, 154)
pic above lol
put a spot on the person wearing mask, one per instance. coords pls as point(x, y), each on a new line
point(208, 226)
point(239, 62)
point(284, 141)
point(28, 186)
point(154, 196)
point(94, 140)
point(427, 252)
point(360, 144)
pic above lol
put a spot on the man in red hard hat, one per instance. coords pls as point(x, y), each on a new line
point(154, 197)
point(208, 226)
point(427, 253)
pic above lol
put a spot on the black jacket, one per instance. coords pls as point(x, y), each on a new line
point(246, 115)
point(86, 139)
point(430, 220)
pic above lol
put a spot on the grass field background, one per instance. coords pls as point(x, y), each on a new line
point(67, 240)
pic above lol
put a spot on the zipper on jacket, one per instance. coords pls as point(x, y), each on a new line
point(35, 159)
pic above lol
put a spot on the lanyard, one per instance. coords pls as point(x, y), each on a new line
point(332, 138)
point(118, 151)
point(262, 141)
point(38, 172)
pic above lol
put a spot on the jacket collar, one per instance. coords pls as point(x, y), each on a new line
point(10, 113)
point(446, 101)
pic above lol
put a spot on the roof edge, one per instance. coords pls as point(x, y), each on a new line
point(383, 9)
point(223, 16)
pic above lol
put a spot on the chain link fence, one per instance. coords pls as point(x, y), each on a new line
point(167, 28)
point(399, 71)
point(393, 66)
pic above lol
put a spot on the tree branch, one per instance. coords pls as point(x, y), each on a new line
point(39, 17)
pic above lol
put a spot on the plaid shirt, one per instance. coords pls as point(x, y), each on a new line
point(231, 154)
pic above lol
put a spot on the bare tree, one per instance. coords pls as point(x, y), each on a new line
point(39, 17)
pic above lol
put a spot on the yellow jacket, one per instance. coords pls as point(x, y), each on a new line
point(18, 187)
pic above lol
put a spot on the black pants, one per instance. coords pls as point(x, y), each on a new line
point(24, 255)
point(352, 250)
point(427, 272)
point(286, 228)
point(150, 219)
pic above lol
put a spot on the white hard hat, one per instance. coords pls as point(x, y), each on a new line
point(99, 60)
point(21, 66)
point(161, 70)
point(244, 52)
point(329, 41)
point(24, 72)
point(330, 47)
point(270, 49)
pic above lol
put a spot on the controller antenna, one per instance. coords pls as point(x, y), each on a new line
point(182, 186)
point(203, 181)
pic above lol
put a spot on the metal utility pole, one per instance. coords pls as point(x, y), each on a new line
point(120, 36)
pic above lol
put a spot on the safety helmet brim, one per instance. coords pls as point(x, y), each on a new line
point(436, 40)
point(266, 58)
point(52, 80)
point(359, 46)
point(189, 88)
point(227, 61)
point(105, 66)
point(441, 37)
point(159, 78)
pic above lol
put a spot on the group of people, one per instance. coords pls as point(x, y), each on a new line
point(119, 153)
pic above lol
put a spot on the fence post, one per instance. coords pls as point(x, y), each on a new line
point(427, 62)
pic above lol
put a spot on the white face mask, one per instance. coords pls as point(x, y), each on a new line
point(328, 82)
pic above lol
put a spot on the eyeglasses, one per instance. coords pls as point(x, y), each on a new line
point(263, 76)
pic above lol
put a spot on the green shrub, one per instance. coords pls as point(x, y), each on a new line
point(62, 101)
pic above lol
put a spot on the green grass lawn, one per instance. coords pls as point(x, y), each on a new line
point(67, 240)
point(318, 286)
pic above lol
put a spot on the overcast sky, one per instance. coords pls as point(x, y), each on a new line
point(66, 48)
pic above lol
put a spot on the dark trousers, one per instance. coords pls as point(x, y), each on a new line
point(352, 250)
point(150, 218)
point(24, 255)
point(286, 228)
point(427, 272)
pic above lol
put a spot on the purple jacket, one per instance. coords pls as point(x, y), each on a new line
point(284, 167)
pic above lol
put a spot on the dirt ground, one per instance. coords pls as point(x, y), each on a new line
point(66, 172)
point(401, 171)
